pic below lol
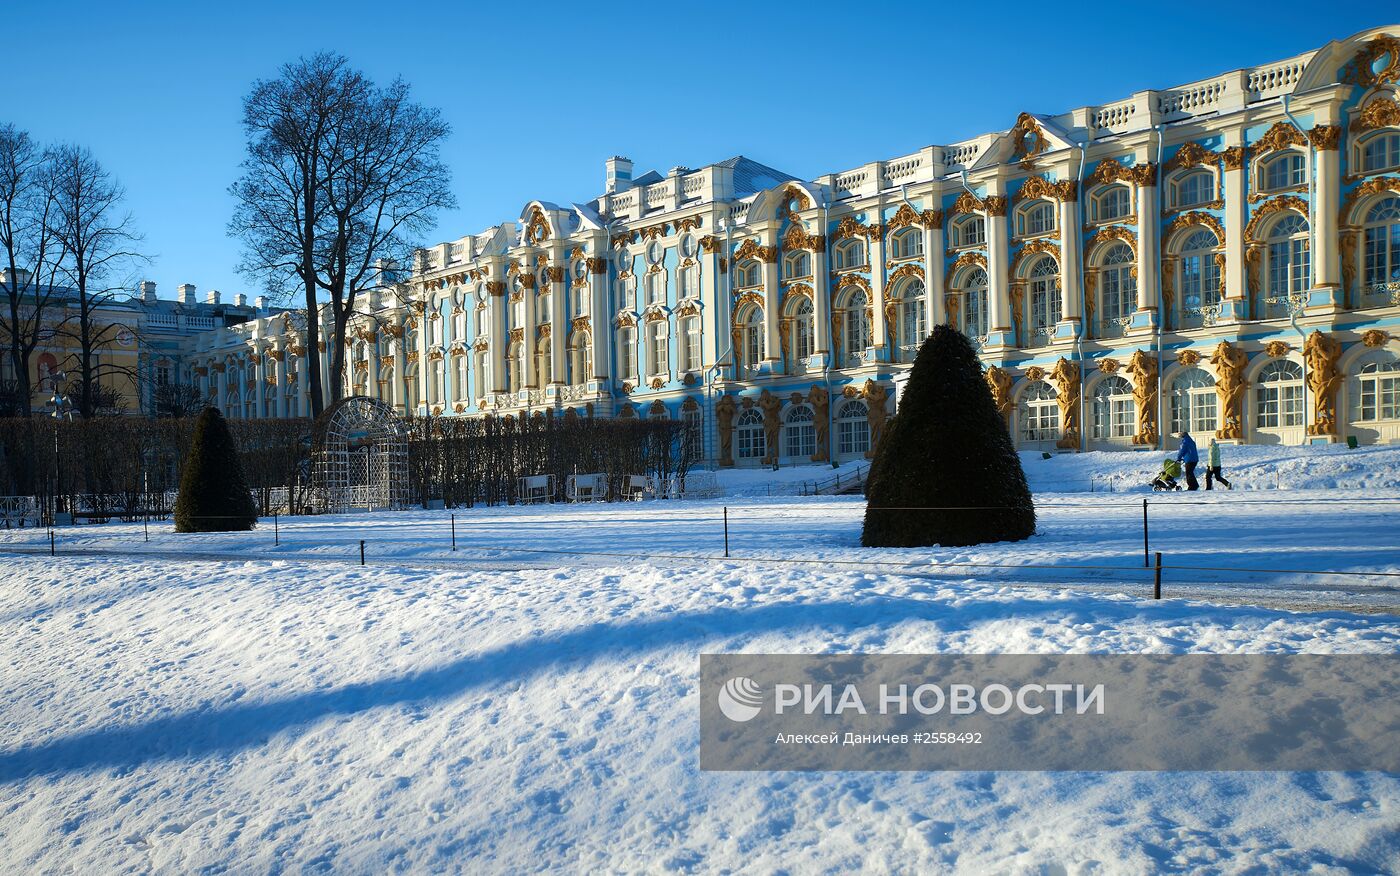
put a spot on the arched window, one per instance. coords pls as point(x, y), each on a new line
point(849, 253)
point(747, 274)
point(1382, 251)
point(1199, 273)
point(658, 411)
point(801, 341)
point(655, 252)
point(1278, 395)
point(1040, 413)
point(1193, 189)
point(1044, 299)
point(912, 319)
point(975, 304)
point(751, 347)
point(690, 343)
point(580, 357)
point(1375, 391)
point(907, 243)
point(694, 420)
point(479, 378)
point(627, 352)
point(855, 325)
point(749, 426)
point(799, 432)
point(970, 230)
point(659, 348)
point(853, 428)
point(1285, 171)
point(543, 366)
point(1381, 152)
point(1288, 261)
point(515, 356)
point(797, 263)
point(579, 269)
point(1112, 202)
point(1193, 402)
point(1037, 217)
point(1117, 291)
point(1113, 408)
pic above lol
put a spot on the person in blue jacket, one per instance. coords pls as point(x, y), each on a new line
point(1186, 455)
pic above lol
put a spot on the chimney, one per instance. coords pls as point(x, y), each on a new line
point(186, 291)
point(20, 278)
point(260, 303)
point(619, 174)
point(148, 292)
point(240, 300)
point(212, 297)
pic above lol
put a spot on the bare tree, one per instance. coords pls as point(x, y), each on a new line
point(292, 124)
point(178, 400)
point(339, 175)
point(390, 186)
point(99, 240)
point(31, 251)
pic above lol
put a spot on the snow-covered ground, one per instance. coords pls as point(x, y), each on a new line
point(224, 703)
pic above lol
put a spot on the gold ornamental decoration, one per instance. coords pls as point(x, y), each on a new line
point(1195, 217)
point(1230, 363)
point(967, 202)
point(999, 382)
point(1111, 170)
point(1280, 136)
point(1379, 112)
point(1325, 137)
point(1268, 208)
point(995, 204)
point(1034, 247)
point(1191, 154)
point(1036, 187)
point(1234, 157)
point(537, 231)
point(496, 287)
point(750, 248)
point(1109, 365)
point(1277, 349)
point(709, 244)
point(1035, 374)
point(655, 231)
point(965, 260)
point(1324, 379)
point(905, 217)
point(853, 280)
point(1143, 368)
point(1066, 377)
point(689, 223)
point(797, 238)
point(1188, 357)
point(849, 227)
point(1369, 187)
point(1360, 70)
point(1375, 337)
point(1027, 140)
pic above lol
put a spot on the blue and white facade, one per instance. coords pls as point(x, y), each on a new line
point(1222, 256)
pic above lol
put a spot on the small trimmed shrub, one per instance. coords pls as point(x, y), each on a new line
point(214, 495)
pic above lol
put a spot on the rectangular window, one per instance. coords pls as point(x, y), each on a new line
point(627, 352)
point(658, 362)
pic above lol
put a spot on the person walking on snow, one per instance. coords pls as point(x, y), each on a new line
point(1213, 466)
point(1186, 455)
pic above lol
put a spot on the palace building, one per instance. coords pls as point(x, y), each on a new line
point(1221, 256)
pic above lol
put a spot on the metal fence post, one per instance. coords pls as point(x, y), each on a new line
point(1145, 561)
point(146, 526)
point(726, 532)
point(454, 532)
point(362, 552)
point(53, 550)
point(276, 535)
point(1157, 584)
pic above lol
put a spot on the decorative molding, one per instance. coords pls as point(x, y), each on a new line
point(904, 271)
point(1268, 208)
point(1322, 352)
point(1230, 363)
point(1027, 140)
point(1111, 170)
point(1193, 218)
point(1280, 136)
point(965, 260)
point(1325, 137)
point(1111, 233)
point(709, 244)
point(1034, 247)
point(905, 217)
point(1192, 154)
point(849, 227)
point(1375, 337)
point(1360, 70)
point(1277, 349)
point(1369, 187)
point(1188, 357)
point(1379, 112)
point(1109, 365)
point(652, 232)
point(995, 204)
point(797, 238)
point(689, 223)
point(1037, 187)
point(1143, 368)
point(1235, 157)
point(967, 202)
point(853, 280)
point(750, 248)
point(496, 287)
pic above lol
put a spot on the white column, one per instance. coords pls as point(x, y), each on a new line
point(878, 329)
point(1325, 259)
point(1149, 224)
point(772, 292)
point(498, 338)
point(599, 313)
point(998, 278)
point(933, 273)
point(821, 304)
point(1236, 286)
point(1070, 257)
point(559, 282)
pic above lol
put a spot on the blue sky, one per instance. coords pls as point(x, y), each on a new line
point(539, 94)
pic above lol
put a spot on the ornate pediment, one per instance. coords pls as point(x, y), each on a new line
point(537, 231)
point(1192, 154)
point(1268, 208)
point(1027, 140)
point(750, 249)
point(1280, 136)
point(797, 238)
point(1362, 68)
point(1379, 112)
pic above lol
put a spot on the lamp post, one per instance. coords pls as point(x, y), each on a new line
point(62, 410)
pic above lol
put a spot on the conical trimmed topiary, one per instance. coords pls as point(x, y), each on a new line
point(214, 495)
point(947, 448)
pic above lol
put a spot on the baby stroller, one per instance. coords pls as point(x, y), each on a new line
point(1171, 470)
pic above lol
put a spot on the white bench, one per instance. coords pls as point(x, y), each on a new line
point(535, 489)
